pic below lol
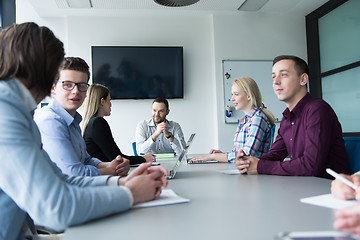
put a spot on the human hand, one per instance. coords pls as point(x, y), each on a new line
point(160, 128)
point(145, 168)
point(165, 130)
point(163, 178)
point(206, 157)
point(342, 191)
point(123, 167)
point(144, 187)
point(348, 219)
point(145, 183)
point(215, 151)
point(149, 157)
point(246, 164)
point(111, 168)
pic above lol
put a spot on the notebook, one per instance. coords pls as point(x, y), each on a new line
point(172, 171)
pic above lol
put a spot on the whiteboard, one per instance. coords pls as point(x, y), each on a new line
point(260, 71)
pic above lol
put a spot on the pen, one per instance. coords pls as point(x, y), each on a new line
point(341, 178)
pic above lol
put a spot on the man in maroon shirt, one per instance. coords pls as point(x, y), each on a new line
point(310, 133)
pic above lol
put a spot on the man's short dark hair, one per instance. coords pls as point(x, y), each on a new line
point(162, 100)
point(300, 65)
point(76, 64)
point(31, 53)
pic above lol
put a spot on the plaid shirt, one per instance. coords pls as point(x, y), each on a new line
point(252, 135)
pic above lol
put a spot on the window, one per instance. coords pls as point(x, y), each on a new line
point(7, 13)
point(333, 39)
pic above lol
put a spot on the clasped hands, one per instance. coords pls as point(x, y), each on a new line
point(145, 182)
point(118, 167)
point(161, 128)
point(246, 164)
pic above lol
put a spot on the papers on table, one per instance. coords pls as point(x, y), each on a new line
point(328, 200)
point(167, 197)
point(231, 172)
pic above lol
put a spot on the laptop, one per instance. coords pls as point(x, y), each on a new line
point(189, 142)
point(172, 172)
point(191, 138)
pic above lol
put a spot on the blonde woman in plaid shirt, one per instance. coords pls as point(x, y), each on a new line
point(254, 129)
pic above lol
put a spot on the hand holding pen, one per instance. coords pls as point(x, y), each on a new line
point(345, 187)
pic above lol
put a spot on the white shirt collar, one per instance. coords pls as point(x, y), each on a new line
point(29, 101)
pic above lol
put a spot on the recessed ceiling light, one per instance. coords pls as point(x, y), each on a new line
point(79, 3)
point(175, 3)
point(252, 5)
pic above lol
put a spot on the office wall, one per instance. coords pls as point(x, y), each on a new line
point(207, 40)
point(195, 112)
point(193, 33)
point(252, 36)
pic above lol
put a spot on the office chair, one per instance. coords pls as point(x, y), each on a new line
point(352, 145)
point(272, 133)
point(134, 148)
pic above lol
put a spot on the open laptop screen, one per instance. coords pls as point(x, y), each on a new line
point(177, 164)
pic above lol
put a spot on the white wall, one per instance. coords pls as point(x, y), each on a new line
point(252, 36)
point(207, 40)
point(193, 33)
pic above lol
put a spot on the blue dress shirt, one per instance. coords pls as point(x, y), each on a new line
point(62, 140)
point(30, 183)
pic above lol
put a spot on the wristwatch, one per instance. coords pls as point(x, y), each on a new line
point(170, 135)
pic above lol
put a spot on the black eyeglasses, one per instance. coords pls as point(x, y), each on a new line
point(69, 85)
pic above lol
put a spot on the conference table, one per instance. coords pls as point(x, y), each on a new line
point(221, 207)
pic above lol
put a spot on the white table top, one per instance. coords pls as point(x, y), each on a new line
point(221, 207)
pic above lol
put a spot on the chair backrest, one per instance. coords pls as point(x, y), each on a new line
point(272, 133)
point(134, 148)
point(352, 145)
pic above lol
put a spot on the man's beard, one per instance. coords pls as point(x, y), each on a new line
point(160, 121)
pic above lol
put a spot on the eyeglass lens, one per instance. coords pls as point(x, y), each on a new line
point(68, 85)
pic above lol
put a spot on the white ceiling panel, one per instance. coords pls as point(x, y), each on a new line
point(62, 8)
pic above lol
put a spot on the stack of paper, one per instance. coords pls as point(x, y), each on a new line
point(328, 200)
point(167, 197)
point(231, 172)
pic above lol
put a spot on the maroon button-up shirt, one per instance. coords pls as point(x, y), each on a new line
point(311, 136)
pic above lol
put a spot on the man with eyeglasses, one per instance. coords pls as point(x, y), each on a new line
point(59, 125)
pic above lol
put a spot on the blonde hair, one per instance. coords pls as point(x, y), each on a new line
point(249, 86)
point(92, 103)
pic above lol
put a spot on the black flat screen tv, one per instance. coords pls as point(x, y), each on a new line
point(137, 72)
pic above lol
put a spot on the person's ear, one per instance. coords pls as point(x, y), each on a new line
point(304, 79)
point(167, 112)
point(102, 101)
point(53, 92)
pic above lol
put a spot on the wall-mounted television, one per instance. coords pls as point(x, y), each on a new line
point(139, 72)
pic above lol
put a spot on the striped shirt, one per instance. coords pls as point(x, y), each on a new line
point(252, 135)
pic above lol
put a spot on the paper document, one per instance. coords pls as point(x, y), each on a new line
point(167, 197)
point(231, 172)
point(328, 200)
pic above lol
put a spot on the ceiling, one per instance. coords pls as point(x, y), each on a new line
point(60, 8)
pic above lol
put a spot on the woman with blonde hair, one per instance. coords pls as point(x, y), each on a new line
point(96, 130)
point(254, 130)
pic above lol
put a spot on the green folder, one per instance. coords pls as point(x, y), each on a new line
point(164, 155)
